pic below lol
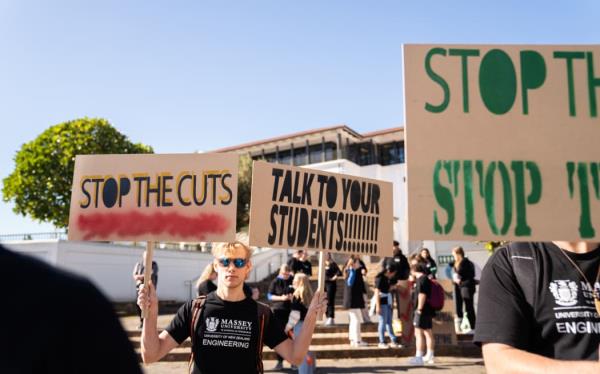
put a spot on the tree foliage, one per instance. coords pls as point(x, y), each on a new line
point(244, 191)
point(40, 185)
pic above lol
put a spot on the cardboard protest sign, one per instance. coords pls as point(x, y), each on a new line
point(302, 208)
point(147, 197)
point(502, 142)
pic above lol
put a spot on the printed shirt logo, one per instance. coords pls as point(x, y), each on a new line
point(564, 292)
point(211, 324)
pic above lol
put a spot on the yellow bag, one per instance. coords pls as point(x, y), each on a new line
point(397, 326)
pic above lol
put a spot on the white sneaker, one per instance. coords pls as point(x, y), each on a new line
point(395, 345)
point(429, 359)
point(383, 345)
point(329, 322)
point(416, 361)
point(358, 344)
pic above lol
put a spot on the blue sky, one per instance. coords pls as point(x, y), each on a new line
point(183, 76)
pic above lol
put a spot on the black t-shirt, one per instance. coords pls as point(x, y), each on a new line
point(382, 283)
point(206, 287)
point(57, 322)
point(227, 335)
point(431, 266)
point(422, 285)
point(279, 287)
point(297, 305)
point(466, 272)
point(331, 271)
point(562, 323)
point(303, 267)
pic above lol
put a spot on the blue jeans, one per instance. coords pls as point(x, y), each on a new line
point(303, 368)
point(385, 322)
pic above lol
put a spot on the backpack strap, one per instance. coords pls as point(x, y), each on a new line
point(524, 259)
point(264, 316)
point(197, 306)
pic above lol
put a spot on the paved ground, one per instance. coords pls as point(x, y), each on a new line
point(445, 365)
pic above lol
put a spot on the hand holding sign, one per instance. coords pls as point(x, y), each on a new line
point(310, 209)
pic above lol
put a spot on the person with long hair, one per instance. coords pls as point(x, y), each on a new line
point(423, 313)
point(332, 272)
point(463, 277)
point(429, 261)
point(383, 306)
point(354, 301)
point(206, 282)
point(301, 299)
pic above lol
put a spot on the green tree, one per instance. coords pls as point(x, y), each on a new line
point(244, 191)
point(40, 185)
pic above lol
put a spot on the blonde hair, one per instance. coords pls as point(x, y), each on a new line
point(302, 289)
point(224, 249)
point(206, 273)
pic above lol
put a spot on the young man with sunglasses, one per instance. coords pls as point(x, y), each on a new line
point(229, 334)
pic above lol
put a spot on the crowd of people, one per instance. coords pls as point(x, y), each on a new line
point(395, 276)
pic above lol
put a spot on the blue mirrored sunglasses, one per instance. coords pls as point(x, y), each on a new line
point(237, 262)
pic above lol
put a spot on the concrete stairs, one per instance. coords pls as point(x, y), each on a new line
point(331, 342)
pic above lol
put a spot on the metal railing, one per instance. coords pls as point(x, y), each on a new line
point(34, 236)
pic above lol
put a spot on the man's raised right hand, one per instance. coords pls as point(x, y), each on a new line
point(147, 299)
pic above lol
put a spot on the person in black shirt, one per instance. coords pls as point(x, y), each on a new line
point(431, 265)
point(463, 277)
point(354, 299)
point(536, 309)
point(332, 272)
point(206, 282)
point(280, 294)
point(303, 264)
point(138, 277)
point(383, 307)
point(423, 313)
point(229, 335)
point(402, 270)
point(57, 322)
point(299, 263)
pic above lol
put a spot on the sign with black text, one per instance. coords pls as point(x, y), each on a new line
point(301, 208)
point(149, 197)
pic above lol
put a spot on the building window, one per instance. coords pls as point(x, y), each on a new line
point(285, 157)
point(316, 152)
point(300, 156)
point(330, 151)
point(391, 153)
point(315, 155)
point(361, 153)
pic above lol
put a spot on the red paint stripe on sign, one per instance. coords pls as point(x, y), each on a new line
point(135, 224)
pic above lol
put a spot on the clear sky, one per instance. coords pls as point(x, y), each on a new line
point(195, 75)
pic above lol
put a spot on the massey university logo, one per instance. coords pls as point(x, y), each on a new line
point(211, 324)
point(564, 292)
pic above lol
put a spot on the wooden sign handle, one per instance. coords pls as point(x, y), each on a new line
point(321, 281)
point(148, 271)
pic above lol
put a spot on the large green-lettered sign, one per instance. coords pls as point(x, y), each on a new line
point(502, 142)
